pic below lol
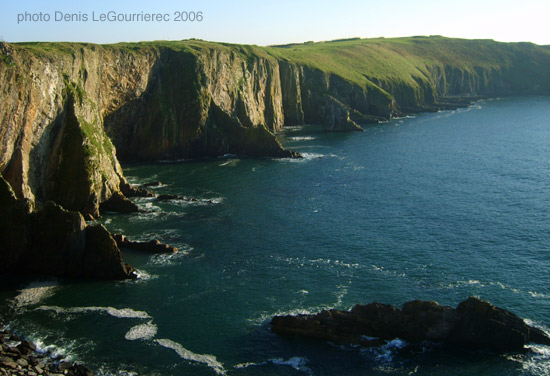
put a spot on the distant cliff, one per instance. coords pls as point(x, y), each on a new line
point(71, 111)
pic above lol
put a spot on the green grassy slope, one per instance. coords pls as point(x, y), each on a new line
point(407, 60)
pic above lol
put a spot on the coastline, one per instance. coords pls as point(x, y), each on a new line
point(19, 357)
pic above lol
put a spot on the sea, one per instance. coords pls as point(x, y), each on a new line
point(437, 206)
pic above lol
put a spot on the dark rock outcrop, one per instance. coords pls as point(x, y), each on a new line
point(119, 203)
point(55, 241)
point(130, 190)
point(473, 324)
point(152, 246)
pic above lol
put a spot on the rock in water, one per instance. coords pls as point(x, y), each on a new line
point(152, 246)
point(119, 203)
point(102, 257)
point(473, 324)
point(482, 325)
point(55, 241)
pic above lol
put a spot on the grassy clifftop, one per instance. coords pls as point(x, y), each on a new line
point(380, 62)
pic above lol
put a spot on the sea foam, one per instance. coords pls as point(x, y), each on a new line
point(209, 360)
point(296, 362)
point(35, 292)
point(145, 331)
point(122, 313)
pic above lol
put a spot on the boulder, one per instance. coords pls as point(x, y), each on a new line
point(473, 324)
point(119, 203)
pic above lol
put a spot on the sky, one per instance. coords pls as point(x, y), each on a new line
point(273, 22)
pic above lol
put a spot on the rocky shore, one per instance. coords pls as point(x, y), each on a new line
point(473, 324)
point(20, 357)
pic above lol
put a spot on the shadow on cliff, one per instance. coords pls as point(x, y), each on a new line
point(176, 117)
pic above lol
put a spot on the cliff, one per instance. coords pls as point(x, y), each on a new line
point(71, 111)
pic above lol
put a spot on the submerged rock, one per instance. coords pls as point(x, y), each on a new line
point(473, 324)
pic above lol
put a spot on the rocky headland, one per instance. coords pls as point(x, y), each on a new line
point(71, 111)
point(473, 324)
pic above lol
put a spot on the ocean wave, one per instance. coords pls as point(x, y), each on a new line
point(296, 362)
point(538, 295)
point(459, 284)
point(122, 313)
point(385, 354)
point(301, 138)
point(536, 362)
point(142, 276)
point(267, 316)
point(303, 261)
point(230, 163)
point(306, 157)
point(35, 292)
point(165, 259)
point(248, 364)
point(106, 371)
point(65, 352)
point(145, 331)
point(209, 360)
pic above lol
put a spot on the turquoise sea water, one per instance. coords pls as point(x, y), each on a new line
point(439, 206)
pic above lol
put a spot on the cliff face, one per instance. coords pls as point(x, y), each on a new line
point(70, 111)
point(66, 107)
point(202, 103)
point(53, 145)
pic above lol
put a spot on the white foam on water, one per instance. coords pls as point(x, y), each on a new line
point(142, 275)
point(538, 295)
point(145, 331)
point(306, 157)
point(504, 287)
point(55, 351)
point(302, 138)
point(296, 362)
point(385, 354)
point(248, 364)
point(107, 371)
point(230, 163)
point(35, 292)
point(169, 258)
point(264, 317)
point(209, 360)
point(122, 313)
point(537, 325)
point(537, 362)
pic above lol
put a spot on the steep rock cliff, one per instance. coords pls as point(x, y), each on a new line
point(71, 111)
point(189, 91)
